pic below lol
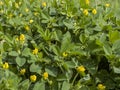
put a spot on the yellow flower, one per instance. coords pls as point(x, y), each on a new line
point(35, 51)
point(45, 75)
point(17, 39)
point(1, 3)
point(26, 10)
point(101, 87)
point(107, 4)
point(94, 11)
point(20, 15)
point(31, 21)
point(27, 27)
point(85, 12)
point(44, 4)
point(22, 71)
point(87, 2)
point(1, 11)
point(65, 54)
point(35, 13)
point(81, 69)
point(33, 78)
point(22, 37)
point(5, 65)
point(19, 3)
point(11, 15)
point(16, 5)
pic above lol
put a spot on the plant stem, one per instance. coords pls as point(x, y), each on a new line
point(74, 78)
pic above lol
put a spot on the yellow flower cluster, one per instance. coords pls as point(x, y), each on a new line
point(1, 3)
point(5, 65)
point(20, 15)
point(22, 37)
point(85, 12)
point(1, 11)
point(101, 87)
point(31, 21)
point(94, 11)
point(16, 5)
point(35, 13)
point(27, 28)
point(10, 15)
point(35, 51)
point(20, 3)
point(65, 54)
point(45, 75)
point(22, 71)
point(107, 4)
point(81, 69)
point(87, 2)
point(26, 10)
point(33, 78)
point(44, 4)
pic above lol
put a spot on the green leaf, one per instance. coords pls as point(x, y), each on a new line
point(61, 77)
point(116, 70)
point(114, 35)
point(13, 53)
point(66, 42)
point(26, 52)
point(20, 61)
point(69, 25)
point(107, 49)
point(45, 16)
point(70, 64)
point(24, 85)
point(65, 86)
point(65, 66)
point(35, 68)
point(84, 88)
point(51, 71)
point(56, 50)
point(39, 86)
point(116, 47)
point(82, 38)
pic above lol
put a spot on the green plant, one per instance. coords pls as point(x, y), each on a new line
point(59, 45)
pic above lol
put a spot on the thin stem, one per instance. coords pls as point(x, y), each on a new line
point(74, 78)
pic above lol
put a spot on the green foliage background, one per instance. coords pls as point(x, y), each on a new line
point(92, 41)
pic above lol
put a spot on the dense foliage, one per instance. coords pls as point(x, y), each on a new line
point(59, 45)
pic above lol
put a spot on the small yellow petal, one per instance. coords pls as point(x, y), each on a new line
point(16, 5)
point(65, 54)
point(45, 75)
point(27, 28)
point(81, 69)
point(5, 65)
point(35, 13)
point(107, 4)
point(87, 2)
point(31, 21)
point(85, 12)
point(44, 4)
point(35, 51)
point(17, 39)
point(26, 10)
point(1, 3)
point(22, 37)
point(33, 78)
point(20, 15)
point(101, 87)
point(94, 11)
point(22, 71)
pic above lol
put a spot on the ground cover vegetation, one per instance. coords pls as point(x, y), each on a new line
point(59, 45)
